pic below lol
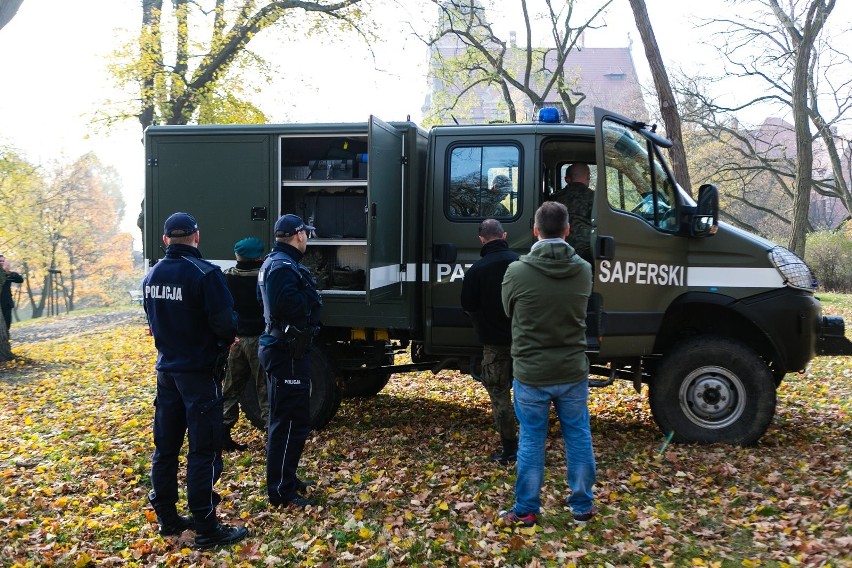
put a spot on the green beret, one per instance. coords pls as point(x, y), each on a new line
point(250, 247)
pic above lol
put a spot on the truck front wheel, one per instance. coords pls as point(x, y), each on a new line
point(712, 389)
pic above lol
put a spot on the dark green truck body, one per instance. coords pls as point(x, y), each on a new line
point(698, 310)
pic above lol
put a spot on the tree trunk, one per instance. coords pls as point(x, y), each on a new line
point(150, 47)
point(8, 9)
point(803, 44)
point(804, 153)
point(668, 105)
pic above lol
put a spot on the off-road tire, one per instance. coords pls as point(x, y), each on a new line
point(710, 389)
point(368, 383)
point(251, 410)
point(325, 396)
point(364, 385)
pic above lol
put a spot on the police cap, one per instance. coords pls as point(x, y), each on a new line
point(180, 225)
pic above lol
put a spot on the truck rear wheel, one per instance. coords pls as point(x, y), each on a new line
point(325, 396)
point(711, 389)
point(251, 409)
point(368, 383)
point(365, 385)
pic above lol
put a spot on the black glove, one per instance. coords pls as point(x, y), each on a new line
point(220, 366)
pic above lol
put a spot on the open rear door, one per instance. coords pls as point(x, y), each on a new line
point(384, 211)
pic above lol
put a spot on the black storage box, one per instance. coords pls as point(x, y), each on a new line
point(340, 215)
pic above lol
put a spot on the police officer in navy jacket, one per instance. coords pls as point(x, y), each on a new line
point(191, 315)
point(291, 308)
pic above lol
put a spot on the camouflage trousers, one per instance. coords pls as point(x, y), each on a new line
point(497, 380)
point(243, 366)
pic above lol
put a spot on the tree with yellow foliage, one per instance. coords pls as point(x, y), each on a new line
point(188, 61)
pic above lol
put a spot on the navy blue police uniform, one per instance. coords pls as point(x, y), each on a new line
point(291, 307)
point(190, 312)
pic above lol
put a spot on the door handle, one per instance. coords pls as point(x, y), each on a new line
point(605, 248)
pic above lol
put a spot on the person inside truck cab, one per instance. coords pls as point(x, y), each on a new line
point(578, 198)
point(492, 203)
point(469, 199)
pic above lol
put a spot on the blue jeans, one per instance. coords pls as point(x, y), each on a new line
point(532, 406)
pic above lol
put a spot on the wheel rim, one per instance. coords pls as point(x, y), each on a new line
point(712, 397)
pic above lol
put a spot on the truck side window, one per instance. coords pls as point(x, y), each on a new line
point(483, 182)
point(631, 187)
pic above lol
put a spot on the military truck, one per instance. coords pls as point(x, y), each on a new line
point(709, 316)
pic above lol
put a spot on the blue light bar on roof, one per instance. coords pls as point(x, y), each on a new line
point(548, 114)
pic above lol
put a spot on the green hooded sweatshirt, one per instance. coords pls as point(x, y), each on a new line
point(545, 294)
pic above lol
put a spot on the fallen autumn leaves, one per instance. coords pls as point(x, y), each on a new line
point(403, 477)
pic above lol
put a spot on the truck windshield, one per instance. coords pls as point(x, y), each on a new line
point(637, 179)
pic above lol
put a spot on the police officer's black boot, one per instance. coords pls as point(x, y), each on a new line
point(173, 525)
point(509, 453)
point(219, 535)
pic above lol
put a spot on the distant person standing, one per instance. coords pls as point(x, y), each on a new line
point(481, 300)
point(291, 308)
point(243, 365)
point(545, 293)
point(191, 315)
point(8, 278)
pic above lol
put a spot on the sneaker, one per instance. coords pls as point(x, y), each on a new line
point(231, 445)
point(504, 458)
point(176, 526)
point(298, 502)
point(583, 518)
point(512, 519)
point(302, 486)
point(222, 535)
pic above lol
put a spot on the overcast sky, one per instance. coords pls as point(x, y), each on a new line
point(53, 75)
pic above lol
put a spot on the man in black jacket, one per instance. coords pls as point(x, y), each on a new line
point(243, 365)
point(481, 300)
point(6, 301)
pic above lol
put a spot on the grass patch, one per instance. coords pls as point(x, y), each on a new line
point(413, 486)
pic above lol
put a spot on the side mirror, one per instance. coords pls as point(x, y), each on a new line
point(705, 220)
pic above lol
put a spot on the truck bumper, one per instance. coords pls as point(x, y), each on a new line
point(832, 337)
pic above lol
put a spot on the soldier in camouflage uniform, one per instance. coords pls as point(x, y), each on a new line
point(243, 365)
point(480, 298)
point(578, 199)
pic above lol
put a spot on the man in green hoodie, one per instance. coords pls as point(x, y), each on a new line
point(545, 294)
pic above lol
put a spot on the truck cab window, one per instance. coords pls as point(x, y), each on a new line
point(484, 181)
point(637, 181)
